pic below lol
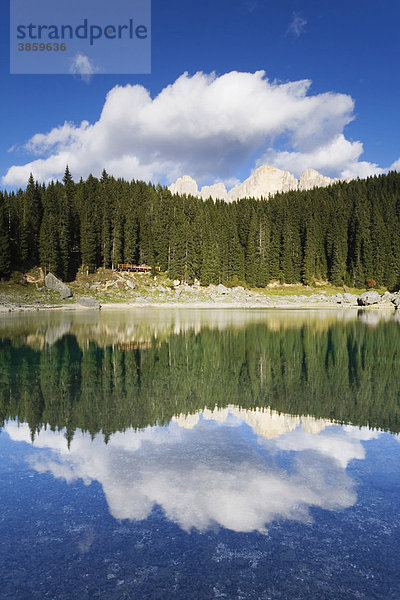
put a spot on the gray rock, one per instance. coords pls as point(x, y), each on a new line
point(131, 285)
point(238, 292)
point(368, 298)
point(89, 302)
point(396, 299)
point(221, 289)
point(350, 299)
point(52, 283)
point(388, 297)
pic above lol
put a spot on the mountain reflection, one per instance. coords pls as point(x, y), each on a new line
point(223, 467)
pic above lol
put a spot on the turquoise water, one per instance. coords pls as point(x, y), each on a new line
point(200, 454)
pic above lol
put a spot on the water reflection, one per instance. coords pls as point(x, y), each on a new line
point(113, 371)
point(137, 327)
point(233, 468)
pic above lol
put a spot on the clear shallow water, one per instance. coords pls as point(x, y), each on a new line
point(206, 455)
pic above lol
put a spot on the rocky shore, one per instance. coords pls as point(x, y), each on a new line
point(126, 292)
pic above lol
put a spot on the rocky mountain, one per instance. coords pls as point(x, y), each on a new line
point(310, 178)
point(265, 422)
point(263, 182)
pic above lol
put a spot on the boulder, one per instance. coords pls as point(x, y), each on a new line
point(52, 283)
point(221, 289)
point(389, 295)
point(238, 292)
point(368, 298)
point(89, 302)
point(350, 299)
point(396, 299)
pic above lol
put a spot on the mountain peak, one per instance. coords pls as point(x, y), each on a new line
point(264, 181)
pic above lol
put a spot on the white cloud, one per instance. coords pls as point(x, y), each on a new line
point(204, 125)
point(395, 166)
point(56, 139)
point(297, 24)
point(210, 472)
point(83, 66)
point(336, 157)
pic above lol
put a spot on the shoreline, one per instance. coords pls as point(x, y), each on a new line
point(112, 290)
point(286, 303)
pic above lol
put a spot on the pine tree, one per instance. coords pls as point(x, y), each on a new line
point(210, 249)
point(251, 251)
point(65, 224)
point(5, 258)
point(309, 254)
point(89, 225)
point(117, 225)
point(30, 224)
point(107, 210)
point(131, 230)
point(49, 246)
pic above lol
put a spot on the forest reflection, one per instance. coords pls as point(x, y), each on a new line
point(116, 371)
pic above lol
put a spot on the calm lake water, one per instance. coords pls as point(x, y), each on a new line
point(175, 454)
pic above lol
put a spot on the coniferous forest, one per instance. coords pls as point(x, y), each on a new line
point(345, 234)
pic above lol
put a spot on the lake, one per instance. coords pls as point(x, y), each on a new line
point(199, 454)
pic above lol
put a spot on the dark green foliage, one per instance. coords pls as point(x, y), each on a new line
point(30, 220)
point(49, 244)
point(347, 233)
point(5, 254)
point(65, 224)
point(90, 226)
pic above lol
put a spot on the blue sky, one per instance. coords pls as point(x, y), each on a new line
point(344, 121)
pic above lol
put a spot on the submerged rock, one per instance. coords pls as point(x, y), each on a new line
point(55, 284)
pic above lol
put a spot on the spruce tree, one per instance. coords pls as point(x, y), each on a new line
point(5, 257)
point(49, 246)
point(89, 225)
point(30, 224)
point(107, 209)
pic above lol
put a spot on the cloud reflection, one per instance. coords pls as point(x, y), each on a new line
point(219, 468)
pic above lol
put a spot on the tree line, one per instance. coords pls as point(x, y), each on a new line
point(347, 233)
